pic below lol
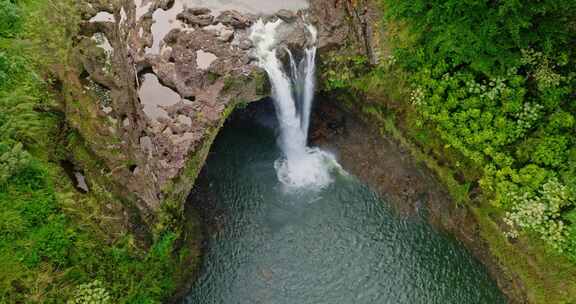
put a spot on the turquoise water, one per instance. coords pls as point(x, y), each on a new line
point(339, 245)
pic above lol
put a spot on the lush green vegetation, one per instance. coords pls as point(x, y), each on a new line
point(496, 80)
point(487, 89)
point(52, 246)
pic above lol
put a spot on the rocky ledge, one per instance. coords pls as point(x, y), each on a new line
point(164, 77)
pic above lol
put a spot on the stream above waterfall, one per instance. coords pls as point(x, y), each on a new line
point(339, 245)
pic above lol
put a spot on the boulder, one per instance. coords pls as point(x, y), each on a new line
point(286, 15)
point(189, 17)
point(197, 11)
point(234, 19)
point(226, 35)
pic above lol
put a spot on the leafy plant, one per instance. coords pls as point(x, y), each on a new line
point(494, 79)
point(10, 18)
point(12, 160)
point(52, 245)
point(91, 293)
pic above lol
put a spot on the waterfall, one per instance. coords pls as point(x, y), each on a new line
point(293, 94)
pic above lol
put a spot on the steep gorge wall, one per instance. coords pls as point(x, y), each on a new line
point(148, 155)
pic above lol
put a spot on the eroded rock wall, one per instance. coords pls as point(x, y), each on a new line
point(165, 75)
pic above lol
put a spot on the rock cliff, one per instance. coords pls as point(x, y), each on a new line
point(164, 75)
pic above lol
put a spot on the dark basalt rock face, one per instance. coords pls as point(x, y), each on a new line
point(205, 58)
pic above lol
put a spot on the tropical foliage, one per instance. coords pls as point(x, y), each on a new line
point(496, 80)
point(51, 247)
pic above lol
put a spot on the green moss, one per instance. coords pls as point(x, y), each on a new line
point(237, 84)
point(547, 277)
point(212, 77)
point(230, 83)
point(54, 240)
point(172, 211)
point(261, 82)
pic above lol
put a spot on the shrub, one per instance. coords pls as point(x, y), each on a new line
point(495, 79)
point(542, 213)
point(12, 161)
point(10, 20)
point(91, 293)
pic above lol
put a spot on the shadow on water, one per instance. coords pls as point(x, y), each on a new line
point(339, 245)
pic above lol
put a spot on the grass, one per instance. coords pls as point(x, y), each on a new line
point(57, 244)
point(547, 277)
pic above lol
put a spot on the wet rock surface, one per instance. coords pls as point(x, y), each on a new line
point(234, 19)
point(379, 161)
point(202, 54)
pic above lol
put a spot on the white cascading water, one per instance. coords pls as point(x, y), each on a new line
point(300, 166)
